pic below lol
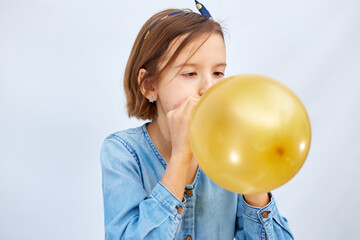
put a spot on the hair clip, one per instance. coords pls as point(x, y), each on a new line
point(202, 9)
point(152, 26)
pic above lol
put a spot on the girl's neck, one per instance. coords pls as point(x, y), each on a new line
point(159, 134)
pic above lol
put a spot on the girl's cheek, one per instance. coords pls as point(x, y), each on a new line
point(175, 105)
point(177, 101)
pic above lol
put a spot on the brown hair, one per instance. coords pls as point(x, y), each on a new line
point(149, 49)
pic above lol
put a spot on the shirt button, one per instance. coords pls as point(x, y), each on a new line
point(188, 238)
point(264, 214)
point(180, 210)
point(189, 193)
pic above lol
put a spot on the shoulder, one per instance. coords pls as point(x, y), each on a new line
point(120, 153)
point(125, 140)
point(119, 156)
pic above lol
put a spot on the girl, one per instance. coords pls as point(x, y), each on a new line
point(152, 185)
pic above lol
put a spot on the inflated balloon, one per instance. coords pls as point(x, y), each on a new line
point(250, 134)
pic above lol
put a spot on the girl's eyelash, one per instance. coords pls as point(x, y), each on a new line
point(190, 74)
point(219, 73)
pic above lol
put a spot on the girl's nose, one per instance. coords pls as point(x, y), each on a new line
point(206, 83)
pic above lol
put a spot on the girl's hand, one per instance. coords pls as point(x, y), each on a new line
point(181, 169)
point(179, 127)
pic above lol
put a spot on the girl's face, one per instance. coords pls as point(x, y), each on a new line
point(190, 77)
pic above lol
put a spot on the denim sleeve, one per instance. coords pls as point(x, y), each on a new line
point(130, 212)
point(253, 223)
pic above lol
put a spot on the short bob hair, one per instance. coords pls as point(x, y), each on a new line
point(149, 49)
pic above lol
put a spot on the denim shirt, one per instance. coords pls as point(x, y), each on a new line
point(138, 206)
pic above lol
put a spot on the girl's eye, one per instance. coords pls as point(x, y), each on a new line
point(191, 74)
point(219, 74)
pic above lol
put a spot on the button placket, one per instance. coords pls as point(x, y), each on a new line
point(188, 217)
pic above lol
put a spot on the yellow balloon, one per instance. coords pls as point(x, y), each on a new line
point(250, 133)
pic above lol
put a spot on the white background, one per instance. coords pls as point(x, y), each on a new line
point(61, 68)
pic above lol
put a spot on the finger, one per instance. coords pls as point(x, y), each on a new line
point(189, 103)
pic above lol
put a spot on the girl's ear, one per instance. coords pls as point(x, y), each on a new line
point(147, 90)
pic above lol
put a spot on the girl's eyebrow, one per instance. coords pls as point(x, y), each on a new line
point(194, 65)
point(220, 65)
